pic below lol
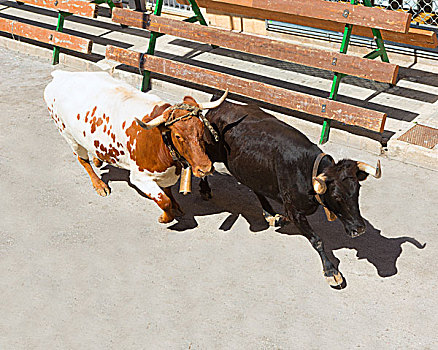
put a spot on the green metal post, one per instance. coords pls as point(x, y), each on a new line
point(197, 12)
point(151, 49)
point(381, 51)
point(59, 28)
point(335, 85)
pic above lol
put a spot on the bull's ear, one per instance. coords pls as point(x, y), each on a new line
point(190, 101)
point(361, 175)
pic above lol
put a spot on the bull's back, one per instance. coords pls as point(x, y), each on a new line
point(260, 148)
point(95, 111)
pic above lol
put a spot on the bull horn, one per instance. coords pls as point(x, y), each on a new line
point(319, 184)
point(214, 104)
point(376, 172)
point(153, 123)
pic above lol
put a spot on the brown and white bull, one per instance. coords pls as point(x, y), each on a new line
point(124, 127)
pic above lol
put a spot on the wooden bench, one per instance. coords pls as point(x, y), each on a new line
point(342, 17)
point(339, 63)
point(55, 37)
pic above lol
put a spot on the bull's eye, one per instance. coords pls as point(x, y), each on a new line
point(178, 137)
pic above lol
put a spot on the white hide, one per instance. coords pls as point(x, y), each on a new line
point(73, 93)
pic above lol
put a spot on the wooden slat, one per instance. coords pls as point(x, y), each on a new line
point(341, 112)
point(415, 37)
point(317, 58)
point(77, 7)
point(47, 36)
point(332, 11)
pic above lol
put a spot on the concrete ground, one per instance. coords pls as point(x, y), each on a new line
point(79, 271)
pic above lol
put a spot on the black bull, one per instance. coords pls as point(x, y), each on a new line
point(276, 161)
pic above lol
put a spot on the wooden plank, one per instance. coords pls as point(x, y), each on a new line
point(312, 57)
point(317, 106)
point(76, 7)
point(415, 37)
point(47, 36)
point(332, 11)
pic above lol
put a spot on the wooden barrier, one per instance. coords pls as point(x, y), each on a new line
point(321, 107)
point(357, 19)
point(414, 36)
point(317, 58)
point(47, 36)
point(77, 7)
point(329, 11)
point(339, 63)
point(55, 37)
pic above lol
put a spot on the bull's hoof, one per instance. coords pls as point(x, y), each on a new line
point(276, 221)
point(102, 189)
point(165, 218)
point(334, 279)
point(206, 195)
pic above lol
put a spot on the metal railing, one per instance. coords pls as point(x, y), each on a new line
point(424, 12)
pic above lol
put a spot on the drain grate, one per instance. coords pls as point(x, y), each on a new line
point(421, 135)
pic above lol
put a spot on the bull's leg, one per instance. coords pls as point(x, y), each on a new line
point(97, 162)
point(175, 206)
point(154, 192)
point(101, 187)
point(204, 189)
point(271, 217)
point(332, 275)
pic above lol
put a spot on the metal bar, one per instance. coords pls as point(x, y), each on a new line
point(191, 19)
point(336, 81)
point(197, 12)
point(145, 85)
point(59, 28)
point(378, 39)
point(373, 54)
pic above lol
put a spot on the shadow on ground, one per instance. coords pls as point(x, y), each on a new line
point(237, 200)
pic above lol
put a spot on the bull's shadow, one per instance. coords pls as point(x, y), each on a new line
point(231, 197)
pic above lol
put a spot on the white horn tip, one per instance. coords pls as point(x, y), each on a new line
point(378, 170)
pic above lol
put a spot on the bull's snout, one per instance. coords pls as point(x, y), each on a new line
point(360, 230)
point(203, 171)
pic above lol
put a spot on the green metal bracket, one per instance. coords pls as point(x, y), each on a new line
point(59, 28)
point(145, 85)
point(109, 2)
point(379, 52)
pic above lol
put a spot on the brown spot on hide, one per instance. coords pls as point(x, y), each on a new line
point(105, 157)
point(123, 124)
point(96, 143)
point(79, 116)
point(104, 128)
point(87, 114)
point(93, 128)
point(113, 137)
point(99, 122)
point(84, 134)
point(86, 118)
point(106, 118)
point(93, 111)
